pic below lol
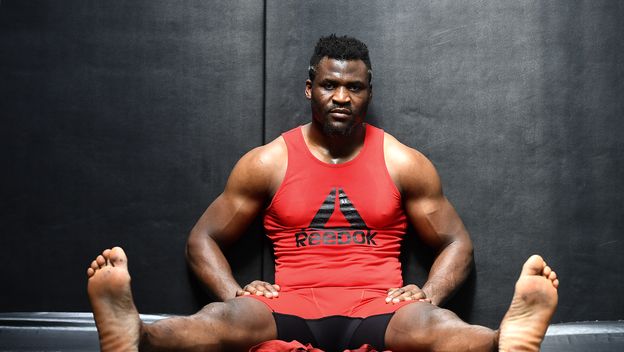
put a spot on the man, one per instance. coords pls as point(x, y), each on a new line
point(336, 195)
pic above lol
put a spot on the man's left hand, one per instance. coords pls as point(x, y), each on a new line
point(406, 293)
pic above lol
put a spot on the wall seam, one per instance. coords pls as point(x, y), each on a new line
point(264, 132)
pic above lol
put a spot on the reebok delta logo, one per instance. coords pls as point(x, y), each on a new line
point(318, 234)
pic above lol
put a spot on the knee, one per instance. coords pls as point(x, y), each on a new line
point(440, 317)
point(421, 326)
point(232, 315)
point(237, 323)
point(216, 313)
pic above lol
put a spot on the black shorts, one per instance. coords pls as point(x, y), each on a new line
point(334, 333)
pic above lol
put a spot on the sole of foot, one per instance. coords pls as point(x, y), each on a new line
point(533, 304)
point(116, 317)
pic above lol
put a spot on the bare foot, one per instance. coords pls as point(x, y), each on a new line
point(532, 306)
point(116, 317)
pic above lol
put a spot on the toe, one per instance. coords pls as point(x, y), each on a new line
point(90, 272)
point(533, 266)
point(94, 265)
point(552, 276)
point(101, 261)
point(118, 257)
point(106, 254)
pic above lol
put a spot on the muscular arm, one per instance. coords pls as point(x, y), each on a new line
point(433, 218)
point(248, 189)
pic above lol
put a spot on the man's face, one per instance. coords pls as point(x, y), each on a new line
point(339, 95)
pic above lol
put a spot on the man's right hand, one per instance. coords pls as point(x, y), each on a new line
point(260, 288)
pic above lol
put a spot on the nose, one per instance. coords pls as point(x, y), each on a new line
point(341, 96)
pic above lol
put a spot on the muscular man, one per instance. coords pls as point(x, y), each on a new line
point(336, 195)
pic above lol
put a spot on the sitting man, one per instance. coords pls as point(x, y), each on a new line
point(336, 195)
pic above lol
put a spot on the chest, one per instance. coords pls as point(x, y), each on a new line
point(354, 197)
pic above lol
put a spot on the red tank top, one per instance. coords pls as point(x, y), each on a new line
point(336, 225)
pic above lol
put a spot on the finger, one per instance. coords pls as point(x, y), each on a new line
point(418, 294)
point(263, 288)
point(388, 298)
point(391, 291)
point(269, 290)
point(411, 295)
point(275, 291)
point(258, 290)
point(407, 296)
point(410, 287)
point(242, 292)
point(394, 294)
point(403, 297)
point(250, 288)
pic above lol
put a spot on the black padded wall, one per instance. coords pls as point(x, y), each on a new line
point(120, 123)
point(122, 120)
point(518, 104)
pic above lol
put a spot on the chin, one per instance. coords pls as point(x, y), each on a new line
point(340, 129)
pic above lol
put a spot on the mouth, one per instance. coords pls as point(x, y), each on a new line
point(340, 113)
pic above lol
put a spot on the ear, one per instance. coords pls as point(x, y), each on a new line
point(370, 92)
point(308, 89)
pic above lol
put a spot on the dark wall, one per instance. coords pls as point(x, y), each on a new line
point(518, 104)
point(121, 121)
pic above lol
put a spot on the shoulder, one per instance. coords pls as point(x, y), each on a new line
point(265, 157)
point(262, 169)
point(412, 172)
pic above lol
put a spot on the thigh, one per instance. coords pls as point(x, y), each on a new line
point(421, 326)
point(237, 324)
point(241, 320)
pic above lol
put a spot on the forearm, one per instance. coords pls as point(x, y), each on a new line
point(210, 266)
point(450, 269)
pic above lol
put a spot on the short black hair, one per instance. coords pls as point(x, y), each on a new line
point(339, 48)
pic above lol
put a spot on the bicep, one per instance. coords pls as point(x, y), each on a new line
point(228, 216)
point(430, 212)
point(245, 195)
point(435, 220)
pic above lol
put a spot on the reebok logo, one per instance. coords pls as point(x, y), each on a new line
point(318, 234)
point(315, 238)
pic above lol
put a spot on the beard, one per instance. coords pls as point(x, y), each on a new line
point(331, 128)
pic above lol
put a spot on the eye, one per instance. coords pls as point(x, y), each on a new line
point(355, 88)
point(328, 85)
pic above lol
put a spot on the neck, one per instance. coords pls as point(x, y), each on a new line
point(334, 148)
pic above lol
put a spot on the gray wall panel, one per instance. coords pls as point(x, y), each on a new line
point(519, 106)
point(120, 123)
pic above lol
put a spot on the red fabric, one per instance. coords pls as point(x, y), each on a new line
point(315, 303)
point(336, 231)
point(295, 346)
point(283, 346)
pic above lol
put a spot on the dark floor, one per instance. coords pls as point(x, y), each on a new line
point(44, 331)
